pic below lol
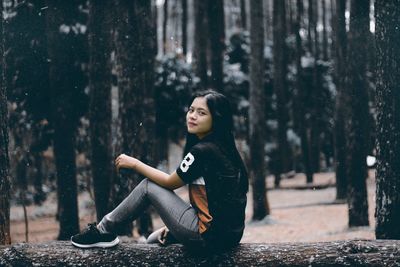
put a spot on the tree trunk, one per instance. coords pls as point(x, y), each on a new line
point(324, 32)
point(387, 15)
point(4, 158)
point(310, 26)
point(184, 26)
point(339, 253)
point(280, 87)
point(200, 42)
point(316, 96)
point(135, 55)
point(64, 118)
point(243, 17)
point(216, 33)
point(100, 103)
point(289, 18)
point(122, 41)
point(340, 102)
point(164, 27)
point(257, 111)
point(299, 100)
point(357, 119)
point(268, 19)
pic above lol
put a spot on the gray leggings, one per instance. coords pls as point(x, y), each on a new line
point(180, 218)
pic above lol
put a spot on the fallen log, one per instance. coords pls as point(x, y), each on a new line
point(338, 253)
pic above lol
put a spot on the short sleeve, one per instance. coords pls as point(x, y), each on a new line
point(192, 166)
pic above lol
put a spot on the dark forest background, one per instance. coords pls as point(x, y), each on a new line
point(313, 85)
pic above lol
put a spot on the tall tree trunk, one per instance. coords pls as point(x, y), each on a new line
point(5, 237)
point(164, 27)
point(280, 87)
point(324, 32)
point(243, 15)
point(64, 117)
point(340, 102)
point(100, 103)
point(200, 42)
point(123, 41)
point(184, 26)
point(332, 21)
point(135, 55)
point(387, 15)
point(310, 26)
point(257, 111)
point(216, 33)
point(317, 101)
point(300, 96)
point(357, 122)
point(268, 19)
point(289, 17)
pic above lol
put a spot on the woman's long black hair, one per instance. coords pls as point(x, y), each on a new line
point(222, 129)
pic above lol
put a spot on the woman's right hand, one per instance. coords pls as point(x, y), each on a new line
point(125, 161)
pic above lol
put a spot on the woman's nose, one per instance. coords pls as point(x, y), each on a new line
point(192, 116)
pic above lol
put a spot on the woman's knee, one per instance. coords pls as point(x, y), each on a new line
point(150, 187)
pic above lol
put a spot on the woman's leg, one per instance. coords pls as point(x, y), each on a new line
point(180, 218)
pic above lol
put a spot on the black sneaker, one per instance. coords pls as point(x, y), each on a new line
point(91, 237)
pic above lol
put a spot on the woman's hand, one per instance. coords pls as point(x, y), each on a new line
point(125, 161)
point(162, 238)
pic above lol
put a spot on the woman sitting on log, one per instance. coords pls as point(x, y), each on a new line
point(217, 180)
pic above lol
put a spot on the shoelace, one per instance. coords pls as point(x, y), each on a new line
point(90, 228)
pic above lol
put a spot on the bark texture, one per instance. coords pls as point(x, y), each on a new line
point(340, 253)
point(357, 121)
point(64, 118)
point(135, 57)
point(257, 111)
point(387, 15)
point(340, 104)
point(280, 86)
point(300, 96)
point(100, 103)
point(4, 158)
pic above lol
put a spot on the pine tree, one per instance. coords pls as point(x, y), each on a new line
point(340, 103)
point(200, 41)
point(257, 111)
point(280, 87)
point(387, 16)
point(64, 117)
point(135, 74)
point(4, 157)
point(100, 103)
point(216, 33)
point(358, 116)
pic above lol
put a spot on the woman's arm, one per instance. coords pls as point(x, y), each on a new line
point(170, 181)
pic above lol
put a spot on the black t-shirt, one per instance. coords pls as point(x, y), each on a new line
point(225, 198)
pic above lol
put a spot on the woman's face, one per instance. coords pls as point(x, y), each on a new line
point(198, 118)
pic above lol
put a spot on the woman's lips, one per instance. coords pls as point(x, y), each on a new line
point(192, 124)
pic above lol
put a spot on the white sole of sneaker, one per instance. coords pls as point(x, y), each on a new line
point(98, 245)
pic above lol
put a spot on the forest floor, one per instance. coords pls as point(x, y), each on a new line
point(297, 215)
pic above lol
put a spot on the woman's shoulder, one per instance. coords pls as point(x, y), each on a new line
point(205, 147)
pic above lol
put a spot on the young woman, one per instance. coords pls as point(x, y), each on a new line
point(217, 180)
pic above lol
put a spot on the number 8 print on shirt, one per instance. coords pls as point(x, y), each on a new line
point(186, 162)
